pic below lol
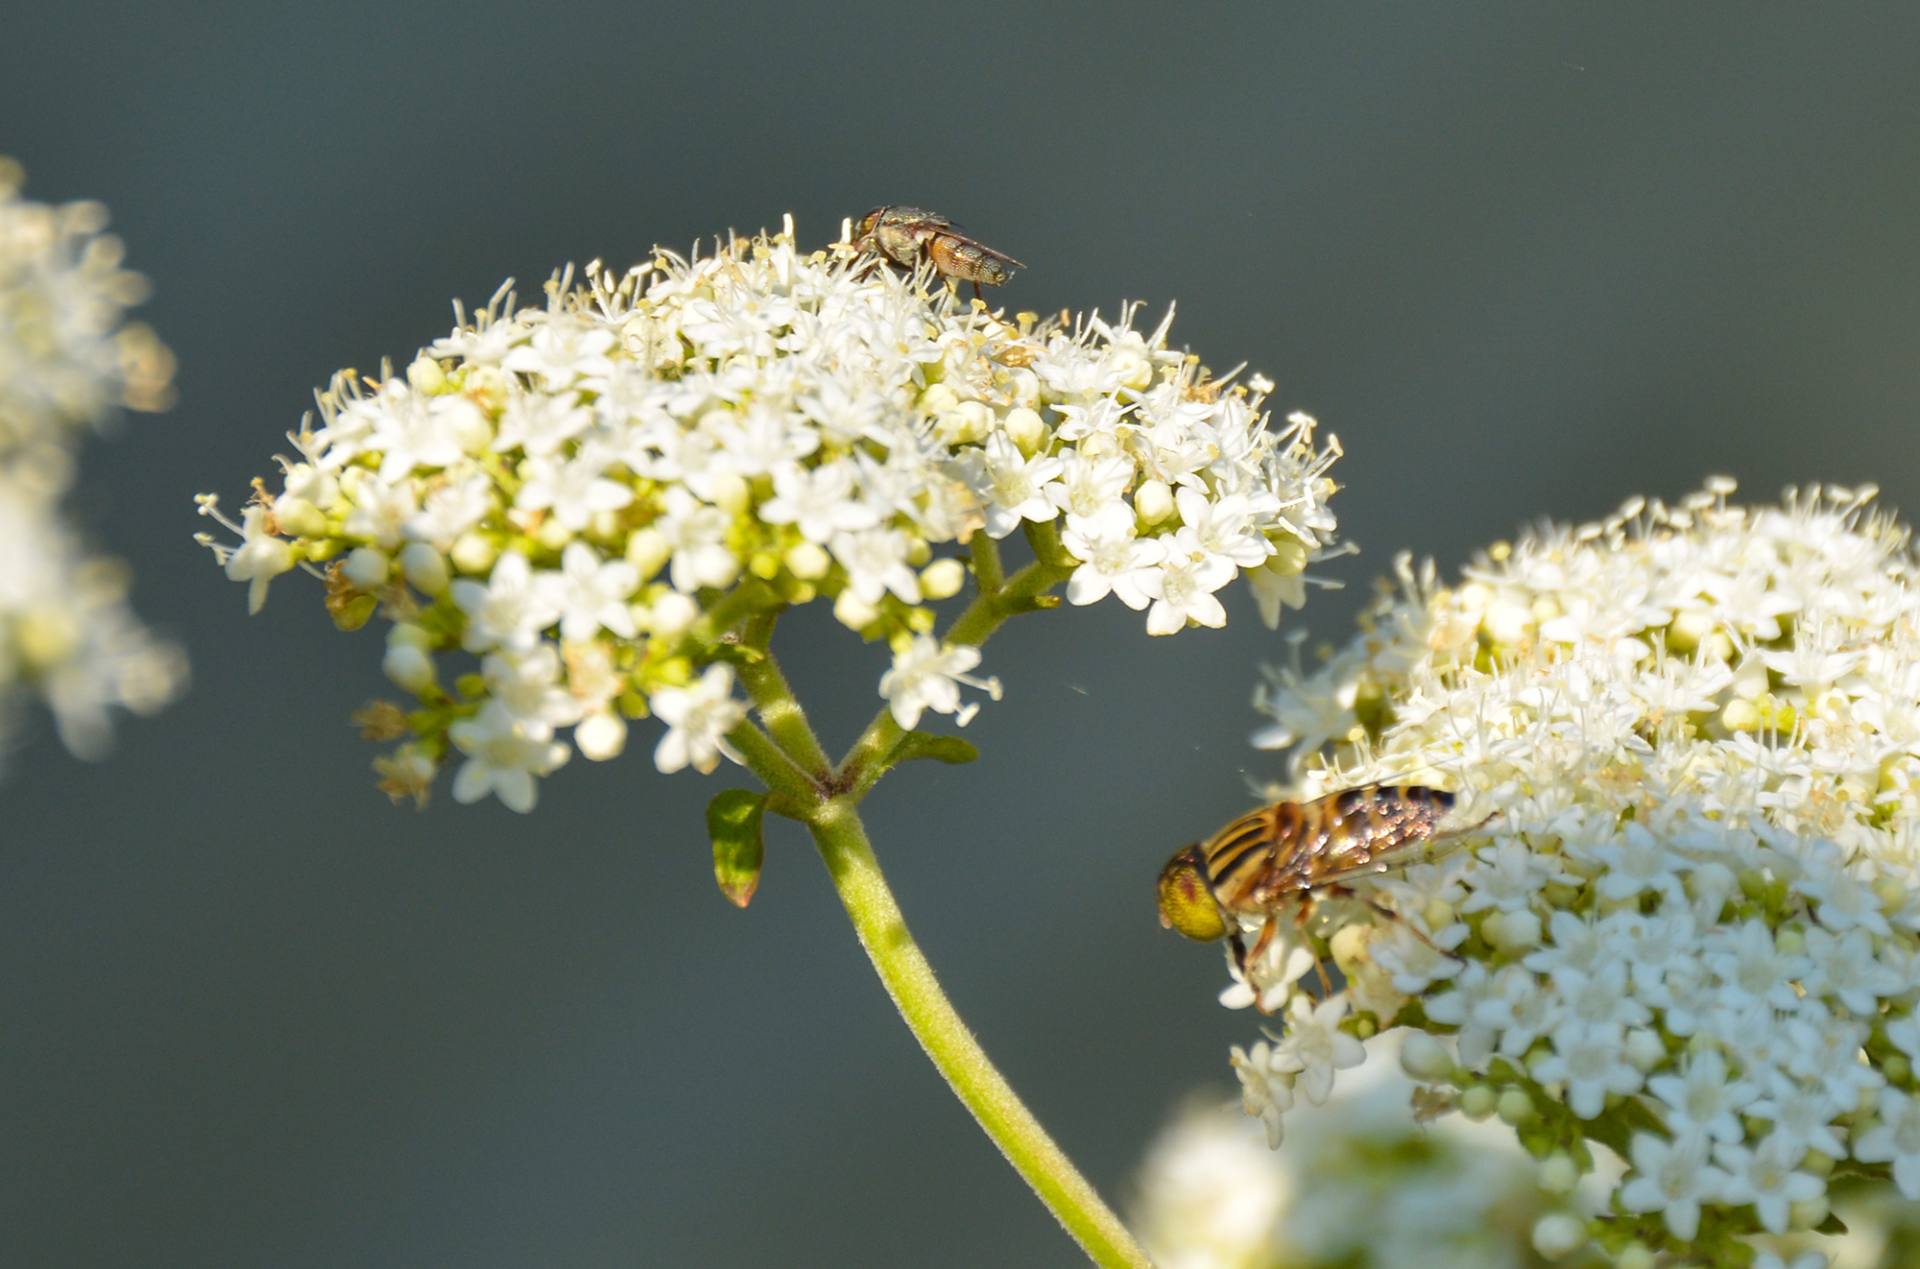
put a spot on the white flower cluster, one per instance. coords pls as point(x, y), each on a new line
point(1358, 1182)
point(1690, 933)
point(67, 361)
point(590, 495)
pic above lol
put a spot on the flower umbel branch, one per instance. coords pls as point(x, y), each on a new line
point(584, 513)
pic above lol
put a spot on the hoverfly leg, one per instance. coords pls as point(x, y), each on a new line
point(1300, 915)
point(977, 293)
point(1268, 929)
point(1382, 909)
point(1239, 952)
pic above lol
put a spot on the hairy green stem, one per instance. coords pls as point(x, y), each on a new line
point(871, 754)
point(774, 699)
point(956, 1054)
point(795, 792)
point(803, 788)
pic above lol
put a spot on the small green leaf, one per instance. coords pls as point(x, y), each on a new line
point(733, 822)
point(949, 749)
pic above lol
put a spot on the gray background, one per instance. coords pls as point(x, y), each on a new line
point(1524, 259)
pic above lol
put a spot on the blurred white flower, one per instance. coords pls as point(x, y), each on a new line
point(69, 361)
point(1356, 1182)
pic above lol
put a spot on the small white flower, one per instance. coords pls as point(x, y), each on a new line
point(1314, 1048)
point(876, 564)
point(1182, 584)
point(1844, 967)
point(928, 675)
point(594, 594)
point(504, 754)
point(1592, 1062)
point(1014, 487)
point(450, 510)
point(1749, 958)
point(1672, 1178)
point(1112, 557)
point(698, 718)
point(1089, 486)
point(260, 558)
point(1765, 1177)
point(572, 491)
point(1265, 1093)
point(1703, 1097)
point(562, 352)
point(1801, 1114)
point(697, 535)
point(820, 502)
point(1893, 1136)
point(527, 686)
point(508, 610)
point(1222, 526)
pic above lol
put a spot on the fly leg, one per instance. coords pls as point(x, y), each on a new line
point(1383, 910)
point(1300, 922)
point(1268, 930)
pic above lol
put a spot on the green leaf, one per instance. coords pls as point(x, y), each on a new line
point(948, 749)
point(733, 822)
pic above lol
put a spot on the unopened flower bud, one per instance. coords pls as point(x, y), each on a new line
point(648, 551)
point(425, 375)
point(808, 561)
point(1559, 1174)
point(1152, 501)
point(942, 579)
point(601, 736)
point(407, 663)
point(1558, 1234)
point(1515, 1107)
point(1478, 1101)
point(1026, 430)
point(854, 612)
point(1424, 1057)
point(424, 568)
point(366, 568)
point(671, 614)
point(474, 553)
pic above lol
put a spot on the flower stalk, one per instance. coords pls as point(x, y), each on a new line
point(805, 787)
point(578, 515)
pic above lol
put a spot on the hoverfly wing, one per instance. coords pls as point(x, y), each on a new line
point(1366, 830)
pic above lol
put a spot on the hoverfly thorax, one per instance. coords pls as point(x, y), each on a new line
point(1187, 903)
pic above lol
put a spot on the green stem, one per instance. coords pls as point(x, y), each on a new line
point(869, 757)
point(773, 699)
point(987, 574)
point(794, 768)
point(795, 792)
point(909, 979)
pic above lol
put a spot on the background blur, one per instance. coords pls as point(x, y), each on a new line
point(1524, 260)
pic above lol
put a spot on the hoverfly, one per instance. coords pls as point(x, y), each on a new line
point(1287, 854)
point(909, 235)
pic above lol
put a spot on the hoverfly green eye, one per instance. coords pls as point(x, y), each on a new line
point(1186, 900)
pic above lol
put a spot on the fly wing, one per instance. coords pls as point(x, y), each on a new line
point(1365, 831)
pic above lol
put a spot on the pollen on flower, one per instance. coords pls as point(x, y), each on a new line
point(647, 460)
point(1688, 932)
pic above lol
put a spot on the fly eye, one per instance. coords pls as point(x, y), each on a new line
point(1186, 900)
